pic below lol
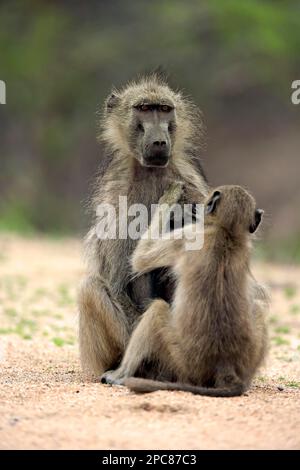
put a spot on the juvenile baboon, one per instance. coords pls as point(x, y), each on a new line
point(212, 338)
point(152, 137)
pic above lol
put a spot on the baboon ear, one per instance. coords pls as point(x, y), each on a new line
point(213, 202)
point(257, 220)
point(112, 101)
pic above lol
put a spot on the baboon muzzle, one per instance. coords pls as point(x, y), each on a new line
point(157, 148)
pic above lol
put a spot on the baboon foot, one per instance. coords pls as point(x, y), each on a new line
point(113, 377)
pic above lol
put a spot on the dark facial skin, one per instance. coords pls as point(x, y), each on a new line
point(153, 131)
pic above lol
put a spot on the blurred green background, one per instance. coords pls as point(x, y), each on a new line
point(59, 59)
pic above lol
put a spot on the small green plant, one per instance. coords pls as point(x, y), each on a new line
point(39, 312)
point(290, 291)
point(6, 331)
point(273, 319)
point(27, 337)
point(40, 292)
point(282, 329)
point(279, 341)
point(62, 342)
point(261, 379)
point(58, 342)
point(64, 295)
point(58, 316)
point(10, 312)
point(295, 309)
point(293, 384)
point(25, 328)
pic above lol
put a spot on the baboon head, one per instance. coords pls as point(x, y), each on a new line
point(152, 125)
point(233, 208)
point(149, 121)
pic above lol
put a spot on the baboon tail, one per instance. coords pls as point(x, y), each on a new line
point(147, 386)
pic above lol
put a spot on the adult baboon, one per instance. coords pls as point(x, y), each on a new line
point(212, 338)
point(152, 137)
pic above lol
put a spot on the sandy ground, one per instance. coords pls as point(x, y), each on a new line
point(46, 404)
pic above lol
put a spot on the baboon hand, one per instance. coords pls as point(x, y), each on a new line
point(173, 193)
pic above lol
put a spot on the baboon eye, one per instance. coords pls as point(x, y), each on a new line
point(165, 108)
point(140, 127)
point(144, 107)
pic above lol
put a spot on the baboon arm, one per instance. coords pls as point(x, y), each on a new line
point(164, 252)
point(152, 254)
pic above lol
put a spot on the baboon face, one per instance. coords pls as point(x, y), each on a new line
point(150, 123)
point(152, 132)
point(233, 208)
point(144, 117)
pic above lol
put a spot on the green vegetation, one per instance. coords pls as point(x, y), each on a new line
point(15, 218)
point(295, 309)
point(273, 319)
point(286, 250)
point(31, 312)
point(41, 291)
point(290, 292)
point(293, 384)
point(6, 331)
point(279, 341)
point(62, 342)
point(64, 296)
point(60, 61)
point(41, 313)
point(24, 328)
point(261, 379)
point(282, 329)
point(11, 312)
point(58, 341)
